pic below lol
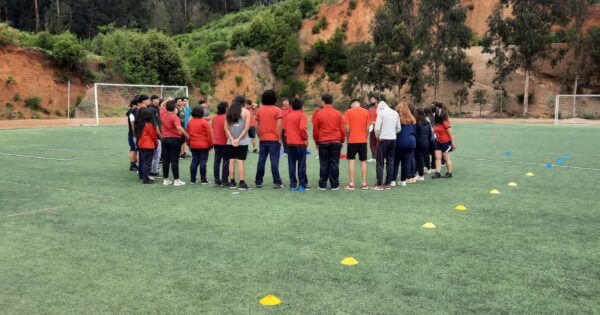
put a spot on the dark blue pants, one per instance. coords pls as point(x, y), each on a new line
point(385, 159)
point(145, 163)
point(297, 163)
point(199, 158)
point(171, 148)
point(221, 161)
point(404, 156)
point(284, 141)
point(329, 160)
point(271, 149)
point(422, 157)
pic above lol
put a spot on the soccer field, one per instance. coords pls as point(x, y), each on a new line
point(79, 234)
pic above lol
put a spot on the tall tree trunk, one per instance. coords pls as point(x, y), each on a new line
point(58, 9)
point(37, 16)
point(225, 6)
point(185, 14)
point(526, 93)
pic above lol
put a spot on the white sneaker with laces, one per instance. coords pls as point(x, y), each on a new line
point(371, 160)
point(420, 178)
point(393, 184)
point(178, 182)
point(167, 182)
point(403, 184)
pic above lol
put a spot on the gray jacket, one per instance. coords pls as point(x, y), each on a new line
point(388, 122)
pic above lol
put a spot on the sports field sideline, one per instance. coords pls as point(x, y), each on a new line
point(79, 234)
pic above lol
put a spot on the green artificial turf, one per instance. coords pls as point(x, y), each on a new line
point(82, 236)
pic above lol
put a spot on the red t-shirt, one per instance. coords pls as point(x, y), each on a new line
point(148, 138)
point(218, 127)
point(329, 126)
point(358, 120)
point(285, 112)
point(296, 133)
point(373, 113)
point(441, 132)
point(170, 123)
point(200, 135)
point(251, 117)
point(267, 116)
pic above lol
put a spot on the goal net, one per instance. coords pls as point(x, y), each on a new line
point(106, 101)
point(571, 107)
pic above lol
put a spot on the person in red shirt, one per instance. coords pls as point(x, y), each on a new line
point(147, 134)
point(328, 133)
point(297, 140)
point(220, 142)
point(372, 137)
point(286, 110)
point(444, 142)
point(200, 143)
point(171, 143)
point(252, 131)
point(357, 121)
point(268, 125)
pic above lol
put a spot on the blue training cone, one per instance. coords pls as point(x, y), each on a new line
point(566, 157)
point(549, 165)
point(508, 154)
point(560, 161)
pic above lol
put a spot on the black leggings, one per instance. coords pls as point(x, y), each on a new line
point(171, 149)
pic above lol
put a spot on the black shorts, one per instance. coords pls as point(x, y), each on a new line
point(444, 147)
point(357, 148)
point(132, 143)
point(237, 153)
point(252, 132)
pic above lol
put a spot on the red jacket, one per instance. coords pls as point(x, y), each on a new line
point(296, 132)
point(328, 126)
point(200, 134)
point(149, 137)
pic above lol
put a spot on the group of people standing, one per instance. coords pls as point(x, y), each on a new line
point(404, 141)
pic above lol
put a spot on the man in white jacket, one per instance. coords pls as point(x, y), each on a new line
point(386, 128)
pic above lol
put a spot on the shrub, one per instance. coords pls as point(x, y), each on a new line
point(238, 80)
point(320, 25)
point(67, 51)
point(10, 80)
point(307, 8)
point(17, 98)
point(351, 7)
point(58, 113)
point(34, 103)
point(293, 88)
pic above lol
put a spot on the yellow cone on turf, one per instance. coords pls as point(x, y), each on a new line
point(512, 184)
point(460, 208)
point(530, 174)
point(270, 300)
point(494, 192)
point(429, 225)
point(349, 261)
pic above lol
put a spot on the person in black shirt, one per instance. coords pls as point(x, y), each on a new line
point(130, 137)
point(155, 108)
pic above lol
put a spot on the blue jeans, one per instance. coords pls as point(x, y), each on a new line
point(221, 161)
point(199, 158)
point(404, 156)
point(329, 160)
point(268, 148)
point(297, 161)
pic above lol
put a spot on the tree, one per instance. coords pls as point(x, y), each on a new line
point(37, 16)
point(480, 97)
point(440, 36)
point(291, 58)
point(577, 39)
point(461, 98)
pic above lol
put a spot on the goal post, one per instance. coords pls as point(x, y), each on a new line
point(104, 101)
point(571, 107)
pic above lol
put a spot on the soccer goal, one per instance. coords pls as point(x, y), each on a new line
point(569, 107)
point(108, 101)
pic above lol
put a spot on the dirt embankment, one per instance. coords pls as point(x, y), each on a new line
point(27, 74)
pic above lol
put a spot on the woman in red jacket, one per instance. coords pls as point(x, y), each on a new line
point(147, 134)
point(200, 142)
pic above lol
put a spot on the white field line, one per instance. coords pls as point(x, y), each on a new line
point(56, 188)
point(33, 212)
point(58, 159)
point(529, 163)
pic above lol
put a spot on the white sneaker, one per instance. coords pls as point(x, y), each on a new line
point(420, 178)
point(151, 178)
point(167, 182)
point(371, 160)
point(316, 157)
point(403, 184)
point(393, 184)
point(178, 182)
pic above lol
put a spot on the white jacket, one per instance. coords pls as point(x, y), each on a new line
point(388, 122)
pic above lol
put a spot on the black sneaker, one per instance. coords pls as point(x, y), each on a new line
point(204, 182)
point(255, 151)
point(278, 186)
point(259, 186)
point(448, 175)
point(148, 181)
point(133, 168)
point(218, 183)
point(232, 184)
point(436, 175)
point(242, 185)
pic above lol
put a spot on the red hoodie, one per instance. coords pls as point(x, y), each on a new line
point(149, 137)
point(296, 132)
point(200, 135)
point(328, 126)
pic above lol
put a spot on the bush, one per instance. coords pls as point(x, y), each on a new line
point(17, 98)
point(67, 51)
point(293, 88)
point(308, 8)
point(320, 25)
point(352, 4)
point(238, 80)
point(34, 103)
point(58, 113)
point(10, 80)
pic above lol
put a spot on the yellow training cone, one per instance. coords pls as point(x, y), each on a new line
point(349, 261)
point(460, 208)
point(494, 192)
point(530, 174)
point(270, 300)
point(512, 184)
point(429, 225)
